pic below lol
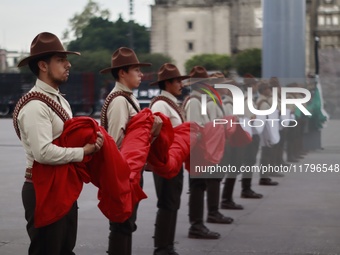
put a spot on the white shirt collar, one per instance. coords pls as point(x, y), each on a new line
point(120, 87)
point(169, 95)
point(47, 88)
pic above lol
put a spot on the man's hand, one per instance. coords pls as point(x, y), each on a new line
point(94, 147)
point(157, 126)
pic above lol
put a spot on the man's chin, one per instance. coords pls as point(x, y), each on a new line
point(61, 82)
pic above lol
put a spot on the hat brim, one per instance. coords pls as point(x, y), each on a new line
point(209, 81)
point(182, 77)
point(107, 70)
point(221, 80)
point(26, 60)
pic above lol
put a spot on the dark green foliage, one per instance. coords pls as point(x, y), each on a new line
point(212, 62)
point(102, 34)
point(249, 61)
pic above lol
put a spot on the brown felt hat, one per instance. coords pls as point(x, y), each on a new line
point(167, 72)
point(123, 57)
point(274, 82)
point(44, 44)
point(198, 74)
point(249, 80)
point(219, 78)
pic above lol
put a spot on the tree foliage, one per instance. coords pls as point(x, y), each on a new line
point(80, 20)
point(156, 59)
point(216, 62)
point(249, 61)
point(102, 34)
point(94, 61)
point(97, 37)
point(90, 61)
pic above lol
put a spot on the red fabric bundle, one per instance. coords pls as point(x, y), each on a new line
point(172, 147)
point(210, 148)
point(115, 173)
point(238, 137)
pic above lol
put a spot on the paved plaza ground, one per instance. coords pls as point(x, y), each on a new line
point(300, 216)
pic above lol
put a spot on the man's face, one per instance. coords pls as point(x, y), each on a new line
point(132, 78)
point(57, 70)
point(267, 92)
point(255, 87)
point(174, 87)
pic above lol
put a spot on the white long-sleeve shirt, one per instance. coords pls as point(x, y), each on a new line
point(39, 125)
point(163, 107)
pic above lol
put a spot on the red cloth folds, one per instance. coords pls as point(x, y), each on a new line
point(209, 149)
point(236, 135)
point(213, 142)
point(172, 147)
point(158, 155)
point(57, 187)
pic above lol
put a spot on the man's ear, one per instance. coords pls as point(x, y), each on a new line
point(121, 73)
point(42, 66)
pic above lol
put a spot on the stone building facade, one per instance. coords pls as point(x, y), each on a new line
point(328, 23)
point(184, 28)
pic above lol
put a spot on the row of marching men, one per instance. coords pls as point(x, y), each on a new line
point(64, 152)
point(235, 146)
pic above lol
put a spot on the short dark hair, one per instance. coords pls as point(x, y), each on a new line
point(161, 84)
point(33, 64)
point(115, 71)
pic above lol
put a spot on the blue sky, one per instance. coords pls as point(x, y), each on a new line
point(22, 20)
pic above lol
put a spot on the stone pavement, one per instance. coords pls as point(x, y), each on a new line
point(300, 216)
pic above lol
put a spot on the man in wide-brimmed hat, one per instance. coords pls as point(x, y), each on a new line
point(39, 119)
point(199, 79)
point(279, 147)
point(263, 102)
point(119, 107)
point(233, 155)
point(168, 190)
point(251, 150)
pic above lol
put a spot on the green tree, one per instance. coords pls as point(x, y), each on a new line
point(90, 61)
point(94, 61)
point(80, 20)
point(156, 59)
point(249, 61)
point(102, 34)
point(213, 62)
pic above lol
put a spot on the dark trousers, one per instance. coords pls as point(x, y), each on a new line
point(169, 191)
point(267, 158)
point(120, 237)
point(234, 157)
point(301, 130)
point(249, 159)
point(213, 194)
point(58, 238)
point(251, 151)
point(279, 148)
point(196, 198)
point(169, 199)
point(292, 138)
